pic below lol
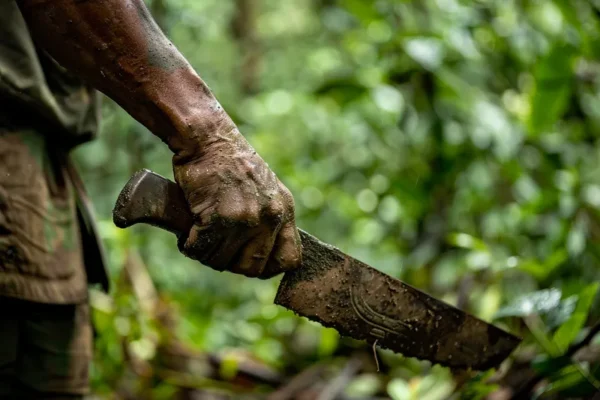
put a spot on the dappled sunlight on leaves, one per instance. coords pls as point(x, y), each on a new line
point(452, 144)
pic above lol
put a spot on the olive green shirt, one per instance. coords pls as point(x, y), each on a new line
point(44, 112)
point(36, 85)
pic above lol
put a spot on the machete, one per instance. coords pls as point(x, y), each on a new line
point(341, 292)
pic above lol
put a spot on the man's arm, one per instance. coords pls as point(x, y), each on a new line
point(245, 216)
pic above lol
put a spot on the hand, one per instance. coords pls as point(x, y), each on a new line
point(244, 215)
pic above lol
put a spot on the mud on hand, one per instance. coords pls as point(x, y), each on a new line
point(244, 215)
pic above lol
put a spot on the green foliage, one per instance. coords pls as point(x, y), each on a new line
point(539, 302)
point(570, 329)
point(452, 144)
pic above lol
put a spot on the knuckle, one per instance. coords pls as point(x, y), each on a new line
point(235, 215)
point(285, 192)
point(293, 257)
point(288, 199)
point(275, 211)
point(200, 245)
point(279, 264)
point(290, 262)
point(239, 216)
point(249, 168)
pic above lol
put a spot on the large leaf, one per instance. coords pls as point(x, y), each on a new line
point(569, 382)
point(568, 331)
point(539, 302)
point(562, 313)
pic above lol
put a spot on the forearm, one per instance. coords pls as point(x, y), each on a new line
point(116, 46)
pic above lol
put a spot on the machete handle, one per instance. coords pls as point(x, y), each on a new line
point(151, 199)
point(154, 200)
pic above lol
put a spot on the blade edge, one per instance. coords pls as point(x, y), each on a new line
point(358, 301)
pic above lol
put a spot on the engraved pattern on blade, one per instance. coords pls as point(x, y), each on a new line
point(381, 324)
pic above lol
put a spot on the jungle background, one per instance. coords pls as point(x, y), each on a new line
point(451, 144)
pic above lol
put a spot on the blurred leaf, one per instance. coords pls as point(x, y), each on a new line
point(364, 11)
point(542, 270)
point(398, 127)
point(539, 302)
point(435, 387)
point(576, 239)
point(429, 52)
point(398, 389)
point(552, 91)
point(541, 335)
point(228, 368)
point(364, 385)
point(488, 303)
point(389, 99)
point(343, 89)
point(478, 388)
point(569, 382)
point(466, 241)
point(568, 331)
point(561, 313)
point(328, 343)
point(546, 365)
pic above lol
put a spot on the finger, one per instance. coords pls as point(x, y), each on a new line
point(287, 252)
point(255, 254)
point(221, 258)
point(200, 242)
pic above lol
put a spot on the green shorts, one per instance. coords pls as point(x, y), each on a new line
point(45, 350)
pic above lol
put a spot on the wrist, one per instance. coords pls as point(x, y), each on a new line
point(192, 117)
point(204, 130)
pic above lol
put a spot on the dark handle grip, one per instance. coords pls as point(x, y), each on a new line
point(154, 200)
point(151, 199)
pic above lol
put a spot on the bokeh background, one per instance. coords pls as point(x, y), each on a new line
point(452, 144)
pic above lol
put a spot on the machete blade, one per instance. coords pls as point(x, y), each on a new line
point(358, 301)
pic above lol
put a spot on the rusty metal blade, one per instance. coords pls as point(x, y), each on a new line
point(341, 292)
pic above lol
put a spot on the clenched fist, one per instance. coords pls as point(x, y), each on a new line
point(244, 214)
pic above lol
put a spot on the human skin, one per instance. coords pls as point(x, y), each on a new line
point(244, 214)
